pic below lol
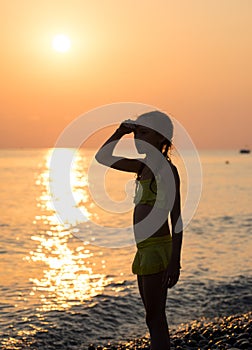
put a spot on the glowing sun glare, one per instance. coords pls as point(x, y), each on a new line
point(61, 43)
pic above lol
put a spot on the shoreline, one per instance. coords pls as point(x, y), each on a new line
point(228, 332)
point(224, 333)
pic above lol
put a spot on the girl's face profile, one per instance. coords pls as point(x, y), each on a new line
point(151, 137)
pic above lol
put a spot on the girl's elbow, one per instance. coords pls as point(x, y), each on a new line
point(102, 159)
point(98, 158)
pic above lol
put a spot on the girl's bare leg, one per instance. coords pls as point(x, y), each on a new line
point(154, 299)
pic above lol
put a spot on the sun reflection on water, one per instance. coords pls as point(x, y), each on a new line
point(56, 192)
point(70, 275)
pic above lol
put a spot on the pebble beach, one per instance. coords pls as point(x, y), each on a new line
point(227, 333)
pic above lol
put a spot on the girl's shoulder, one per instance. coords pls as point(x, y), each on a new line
point(172, 169)
point(175, 174)
point(170, 166)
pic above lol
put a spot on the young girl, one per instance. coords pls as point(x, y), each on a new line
point(157, 198)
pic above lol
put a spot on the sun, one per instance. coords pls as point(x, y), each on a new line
point(61, 43)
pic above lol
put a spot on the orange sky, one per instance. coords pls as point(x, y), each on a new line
point(190, 58)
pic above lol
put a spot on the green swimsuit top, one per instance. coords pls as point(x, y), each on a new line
point(146, 194)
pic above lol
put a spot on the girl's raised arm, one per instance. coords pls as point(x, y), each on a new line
point(105, 154)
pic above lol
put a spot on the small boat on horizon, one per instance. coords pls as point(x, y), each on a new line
point(245, 150)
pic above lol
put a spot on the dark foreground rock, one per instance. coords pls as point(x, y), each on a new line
point(227, 333)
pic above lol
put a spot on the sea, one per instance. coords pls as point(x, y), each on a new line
point(66, 247)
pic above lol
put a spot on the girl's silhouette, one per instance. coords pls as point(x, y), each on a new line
point(157, 215)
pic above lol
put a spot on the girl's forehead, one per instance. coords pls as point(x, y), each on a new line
point(143, 128)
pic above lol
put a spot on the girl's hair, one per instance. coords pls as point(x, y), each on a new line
point(162, 125)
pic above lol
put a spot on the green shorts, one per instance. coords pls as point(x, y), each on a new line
point(153, 255)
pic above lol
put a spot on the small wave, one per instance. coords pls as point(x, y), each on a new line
point(4, 225)
point(119, 284)
point(246, 222)
point(226, 219)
